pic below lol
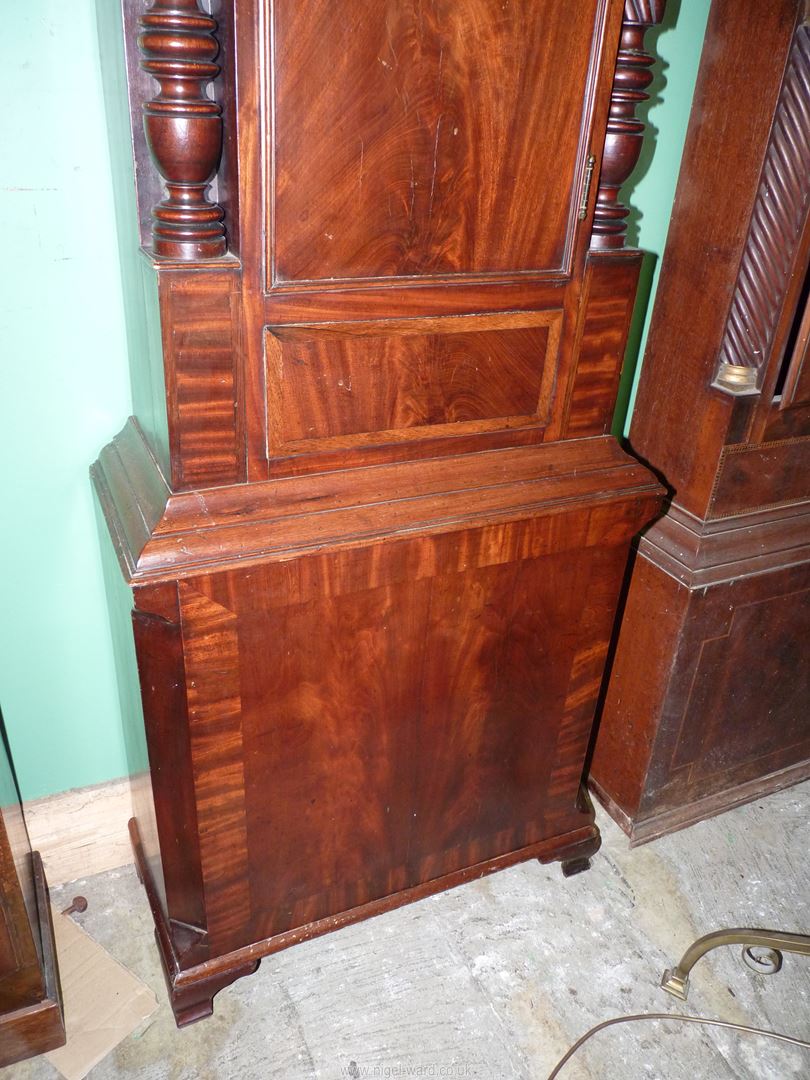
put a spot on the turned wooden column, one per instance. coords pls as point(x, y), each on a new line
point(625, 132)
point(183, 128)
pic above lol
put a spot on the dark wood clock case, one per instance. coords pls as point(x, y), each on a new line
point(708, 704)
point(373, 523)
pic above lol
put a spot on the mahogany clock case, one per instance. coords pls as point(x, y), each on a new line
point(707, 705)
point(371, 518)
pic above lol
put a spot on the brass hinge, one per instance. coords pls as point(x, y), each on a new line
point(586, 187)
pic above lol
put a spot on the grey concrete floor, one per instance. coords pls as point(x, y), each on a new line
point(497, 978)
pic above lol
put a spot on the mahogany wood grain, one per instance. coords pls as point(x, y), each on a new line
point(201, 327)
point(625, 131)
point(228, 527)
point(398, 144)
point(464, 249)
point(337, 385)
point(607, 308)
point(183, 127)
point(376, 557)
point(772, 267)
point(159, 645)
point(756, 477)
point(191, 991)
point(733, 703)
point(701, 552)
point(485, 589)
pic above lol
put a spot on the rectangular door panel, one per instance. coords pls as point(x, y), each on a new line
point(337, 385)
point(414, 138)
point(396, 734)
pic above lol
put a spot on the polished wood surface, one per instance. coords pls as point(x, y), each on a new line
point(625, 131)
point(31, 1019)
point(358, 650)
point(450, 108)
point(722, 162)
point(608, 293)
point(183, 127)
point(778, 219)
point(454, 207)
point(376, 547)
point(342, 385)
point(707, 704)
point(161, 536)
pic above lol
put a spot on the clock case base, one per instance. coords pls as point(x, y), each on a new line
point(364, 687)
point(192, 989)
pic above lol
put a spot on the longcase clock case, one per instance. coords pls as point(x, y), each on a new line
point(372, 522)
point(709, 697)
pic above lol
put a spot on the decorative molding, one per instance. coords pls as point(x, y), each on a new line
point(643, 829)
point(777, 222)
point(702, 554)
point(83, 831)
point(183, 127)
point(625, 133)
point(163, 536)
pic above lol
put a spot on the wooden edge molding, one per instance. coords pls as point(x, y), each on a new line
point(163, 536)
point(82, 832)
point(699, 553)
point(641, 830)
point(50, 962)
point(625, 132)
point(777, 221)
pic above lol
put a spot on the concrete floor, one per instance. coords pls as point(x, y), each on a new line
point(497, 978)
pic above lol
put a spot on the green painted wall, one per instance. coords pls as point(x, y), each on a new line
point(66, 333)
point(65, 392)
point(677, 42)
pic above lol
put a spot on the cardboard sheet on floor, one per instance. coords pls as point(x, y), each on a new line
point(103, 1001)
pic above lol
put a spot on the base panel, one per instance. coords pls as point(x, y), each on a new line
point(192, 989)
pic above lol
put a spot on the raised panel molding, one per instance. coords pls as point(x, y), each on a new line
point(336, 385)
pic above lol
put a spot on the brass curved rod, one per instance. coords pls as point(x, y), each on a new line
point(676, 980)
point(678, 1017)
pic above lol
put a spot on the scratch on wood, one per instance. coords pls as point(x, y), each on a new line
point(435, 165)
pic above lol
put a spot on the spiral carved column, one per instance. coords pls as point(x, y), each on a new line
point(183, 127)
point(625, 133)
point(777, 223)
